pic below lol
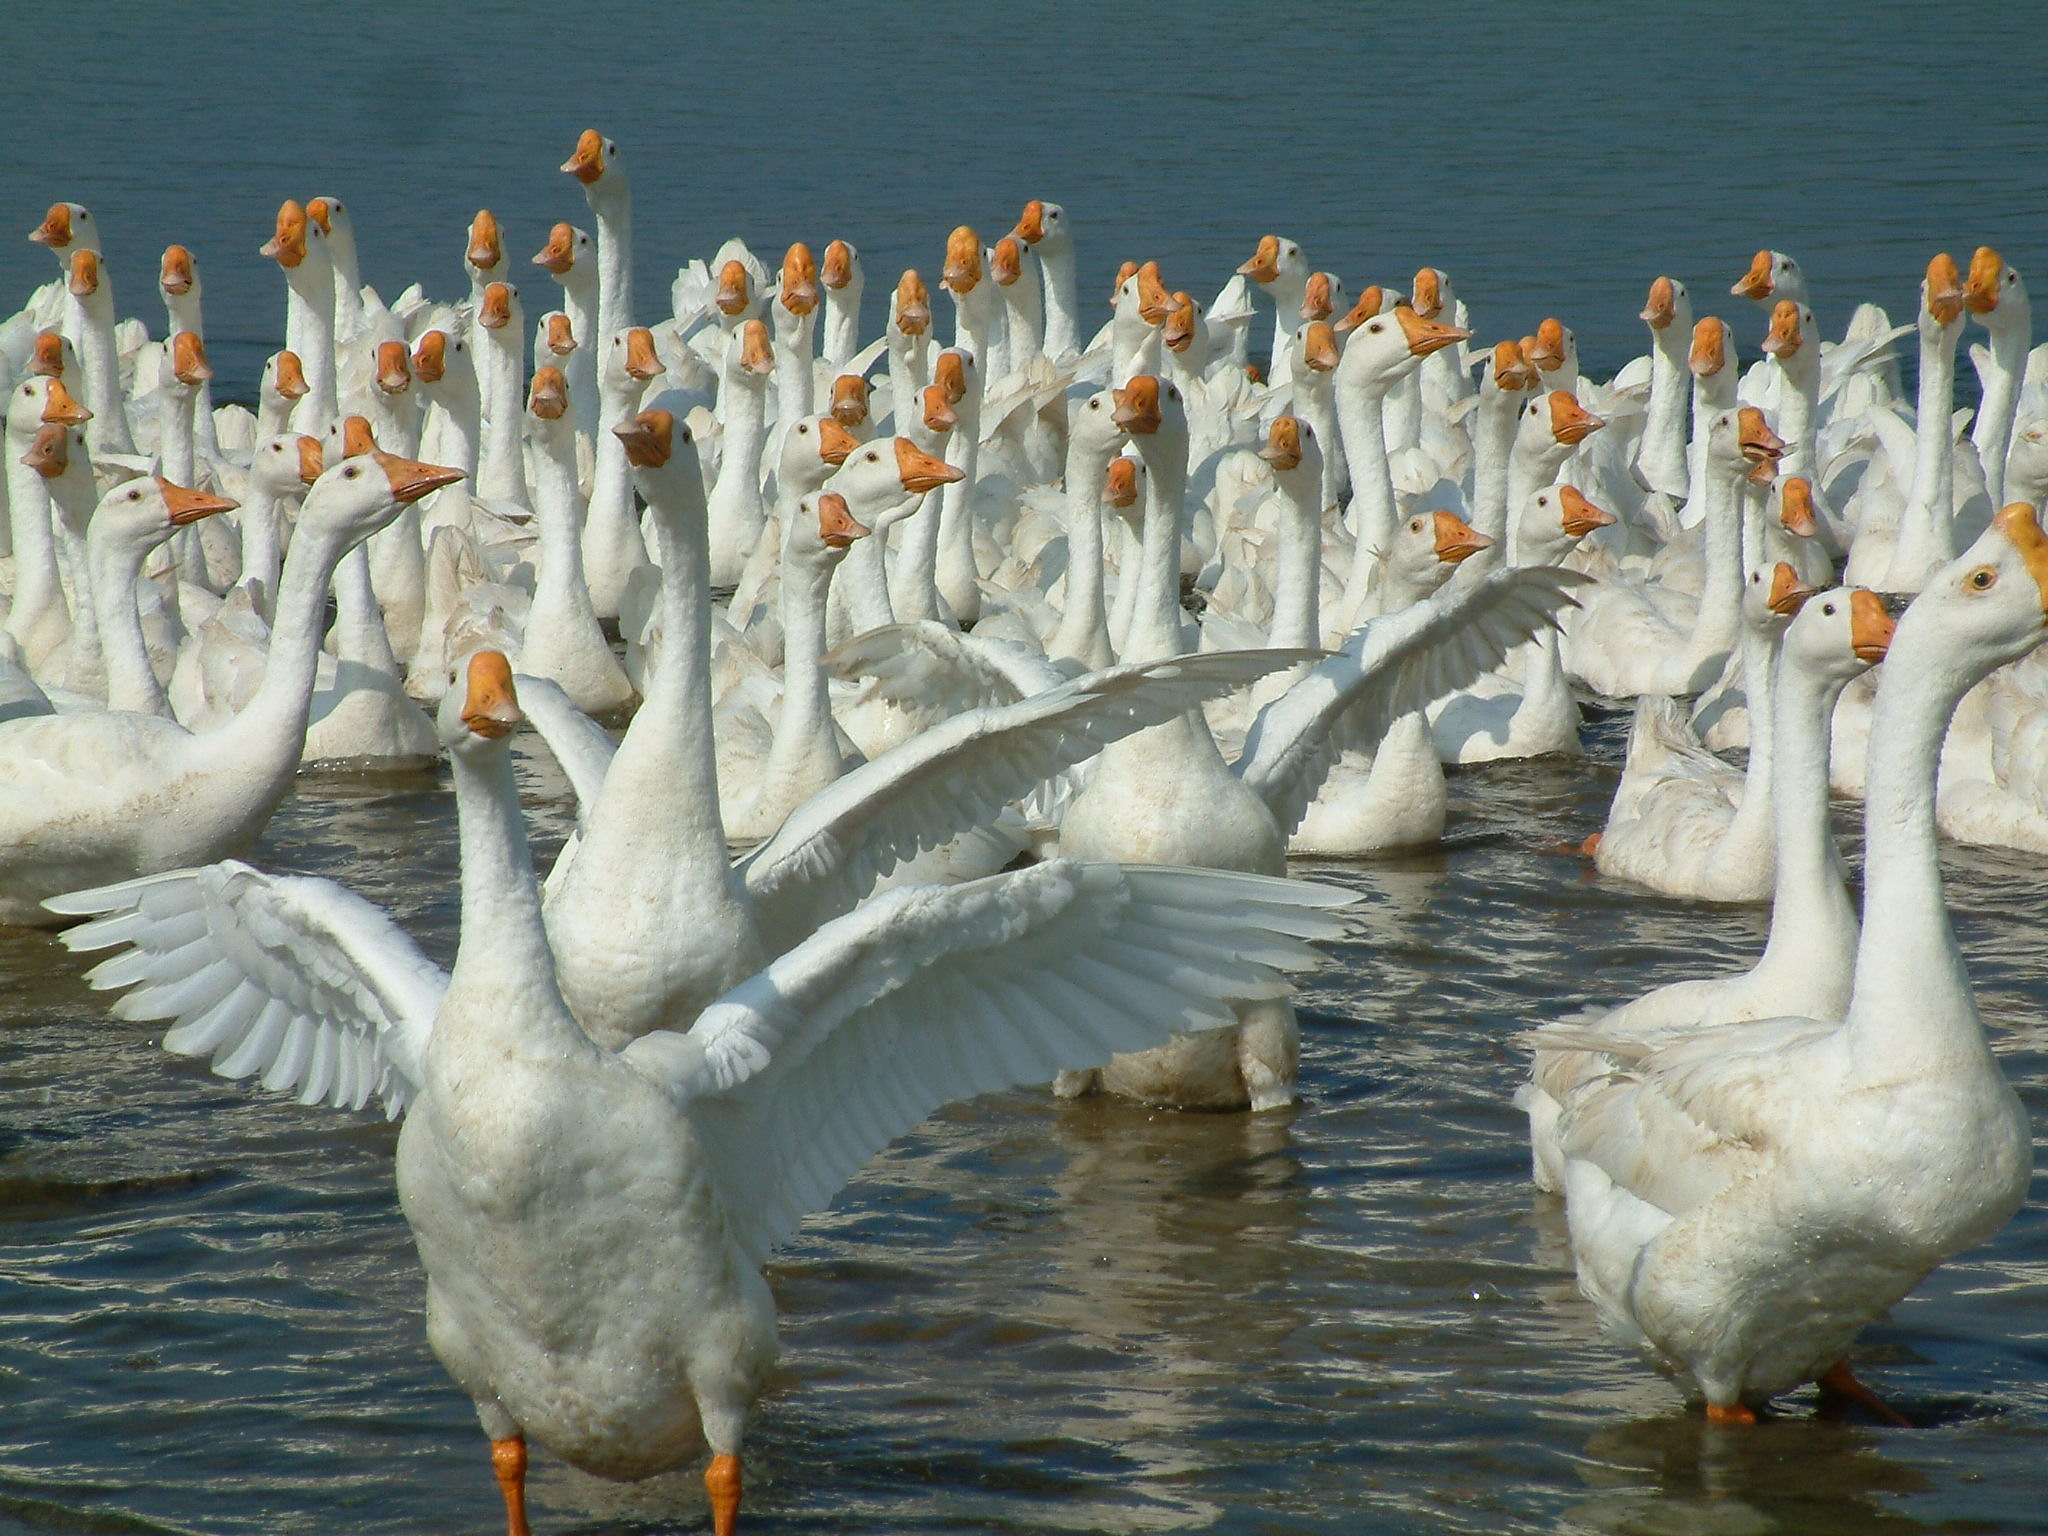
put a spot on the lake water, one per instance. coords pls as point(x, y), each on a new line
point(1028, 1316)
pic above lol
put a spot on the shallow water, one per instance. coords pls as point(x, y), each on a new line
point(1026, 1316)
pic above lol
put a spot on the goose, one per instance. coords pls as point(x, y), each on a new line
point(1924, 538)
point(1995, 294)
point(844, 282)
point(1810, 953)
point(208, 553)
point(1045, 229)
point(89, 326)
point(483, 257)
point(1017, 284)
point(92, 795)
point(352, 318)
point(1554, 353)
point(397, 554)
point(444, 367)
point(280, 388)
point(570, 257)
point(38, 621)
point(1278, 266)
point(1540, 718)
point(1166, 794)
point(1660, 461)
point(1772, 276)
point(909, 343)
point(737, 510)
point(300, 251)
point(957, 373)
point(597, 166)
point(1744, 1199)
point(1683, 822)
point(1094, 439)
point(501, 377)
point(613, 545)
point(59, 454)
point(67, 228)
point(977, 309)
point(178, 282)
point(795, 313)
point(532, 1154)
point(280, 469)
point(1502, 384)
point(1711, 361)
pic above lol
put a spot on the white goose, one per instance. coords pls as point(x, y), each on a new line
point(1044, 228)
point(533, 1154)
point(1743, 1200)
point(92, 795)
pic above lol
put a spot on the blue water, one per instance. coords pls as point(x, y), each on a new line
point(1027, 1316)
point(1552, 159)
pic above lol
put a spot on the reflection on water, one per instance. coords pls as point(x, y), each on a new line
point(1027, 1316)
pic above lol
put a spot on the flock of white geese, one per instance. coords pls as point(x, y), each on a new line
point(1017, 667)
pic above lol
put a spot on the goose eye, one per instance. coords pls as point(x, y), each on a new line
point(1982, 579)
point(804, 430)
point(686, 435)
point(1172, 393)
point(1093, 405)
point(1828, 609)
point(135, 495)
point(1415, 525)
point(1376, 327)
point(874, 458)
point(351, 473)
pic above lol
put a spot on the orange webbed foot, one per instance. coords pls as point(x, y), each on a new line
point(1731, 1413)
point(508, 1461)
point(722, 1482)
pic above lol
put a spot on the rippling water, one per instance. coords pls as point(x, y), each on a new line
point(1026, 1316)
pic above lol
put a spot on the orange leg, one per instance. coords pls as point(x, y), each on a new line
point(508, 1460)
point(1841, 1381)
point(722, 1482)
point(1591, 846)
point(1733, 1413)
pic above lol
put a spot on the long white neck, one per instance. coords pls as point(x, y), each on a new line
point(1717, 625)
point(1750, 835)
point(910, 374)
point(1992, 431)
point(359, 633)
point(842, 322)
point(1799, 412)
point(957, 574)
point(501, 465)
point(38, 588)
point(1372, 513)
point(1023, 320)
point(72, 496)
point(89, 323)
point(579, 303)
point(743, 408)
point(806, 746)
point(1297, 600)
point(312, 299)
point(1062, 308)
point(561, 587)
point(977, 314)
point(175, 405)
point(1661, 459)
point(1927, 538)
point(1711, 395)
point(796, 373)
point(1155, 629)
point(131, 682)
point(1493, 443)
point(1083, 635)
point(348, 286)
point(1911, 1011)
point(262, 545)
point(1813, 922)
point(613, 208)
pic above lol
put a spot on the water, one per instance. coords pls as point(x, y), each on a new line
point(1553, 160)
point(1026, 1316)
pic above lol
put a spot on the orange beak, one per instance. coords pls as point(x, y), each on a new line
point(1006, 262)
point(1662, 307)
point(549, 397)
point(490, 706)
point(735, 289)
point(561, 338)
point(1180, 325)
point(834, 442)
point(1870, 627)
point(1760, 445)
point(1319, 345)
point(1788, 593)
point(2018, 523)
point(1944, 289)
point(799, 280)
point(1580, 516)
point(920, 472)
point(963, 260)
point(1511, 371)
point(1427, 297)
point(486, 244)
point(913, 305)
point(1369, 304)
point(287, 247)
point(649, 438)
point(188, 506)
point(1137, 406)
point(836, 527)
point(356, 437)
point(188, 359)
point(1570, 422)
point(50, 454)
point(1120, 485)
point(1756, 282)
point(587, 164)
point(1795, 508)
point(757, 354)
point(850, 399)
point(838, 269)
point(175, 275)
point(1316, 303)
point(1031, 225)
point(47, 360)
point(410, 479)
point(950, 374)
point(1265, 263)
point(1456, 539)
point(1548, 351)
point(1283, 444)
point(429, 363)
point(1709, 348)
point(496, 309)
point(939, 415)
point(291, 376)
point(55, 230)
point(1426, 336)
point(318, 211)
point(559, 254)
point(1980, 293)
point(311, 459)
point(85, 273)
point(60, 410)
point(644, 363)
point(1784, 339)
point(1154, 302)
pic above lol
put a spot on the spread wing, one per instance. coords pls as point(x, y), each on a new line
point(292, 979)
point(927, 994)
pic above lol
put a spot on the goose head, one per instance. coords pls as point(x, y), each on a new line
point(1186, 333)
point(1317, 352)
point(822, 531)
point(1093, 425)
point(1941, 296)
point(1324, 297)
point(1986, 607)
point(962, 271)
point(52, 356)
point(798, 290)
point(554, 338)
point(595, 163)
point(1430, 294)
point(67, 227)
point(1837, 634)
point(957, 373)
point(475, 719)
point(1771, 595)
point(88, 282)
point(1550, 426)
point(1371, 302)
point(1277, 260)
point(295, 239)
point(1043, 226)
point(811, 451)
point(750, 356)
point(184, 367)
point(1760, 447)
point(632, 361)
point(1387, 348)
point(1427, 548)
point(501, 315)
point(1123, 488)
point(849, 401)
point(663, 452)
point(1006, 261)
point(355, 497)
point(1794, 339)
point(548, 417)
point(445, 366)
point(735, 294)
point(887, 470)
point(1668, 308)
point(335, 222)
point(568, 256)
point(1508, 371)
point(1795, 507)
point(484, 254)
point(286, 464)
point(840, 271)
point(910, 307)
point(1711, 360)
point(1296, 457)
point(138, 515)
point(38, 401)
point(283, 381)
point(1737, 449)
point(1769, 273)
point(177, 275)
point(1552, 348)
point(1554, 519)
point(1995, 294)
point(1151, 410)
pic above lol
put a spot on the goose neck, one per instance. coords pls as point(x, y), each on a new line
point(1492, 447)
point(1062, 316)
point(1812, 920)
point(1155, 629)
point(1083, 634)
point(1297, 602)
